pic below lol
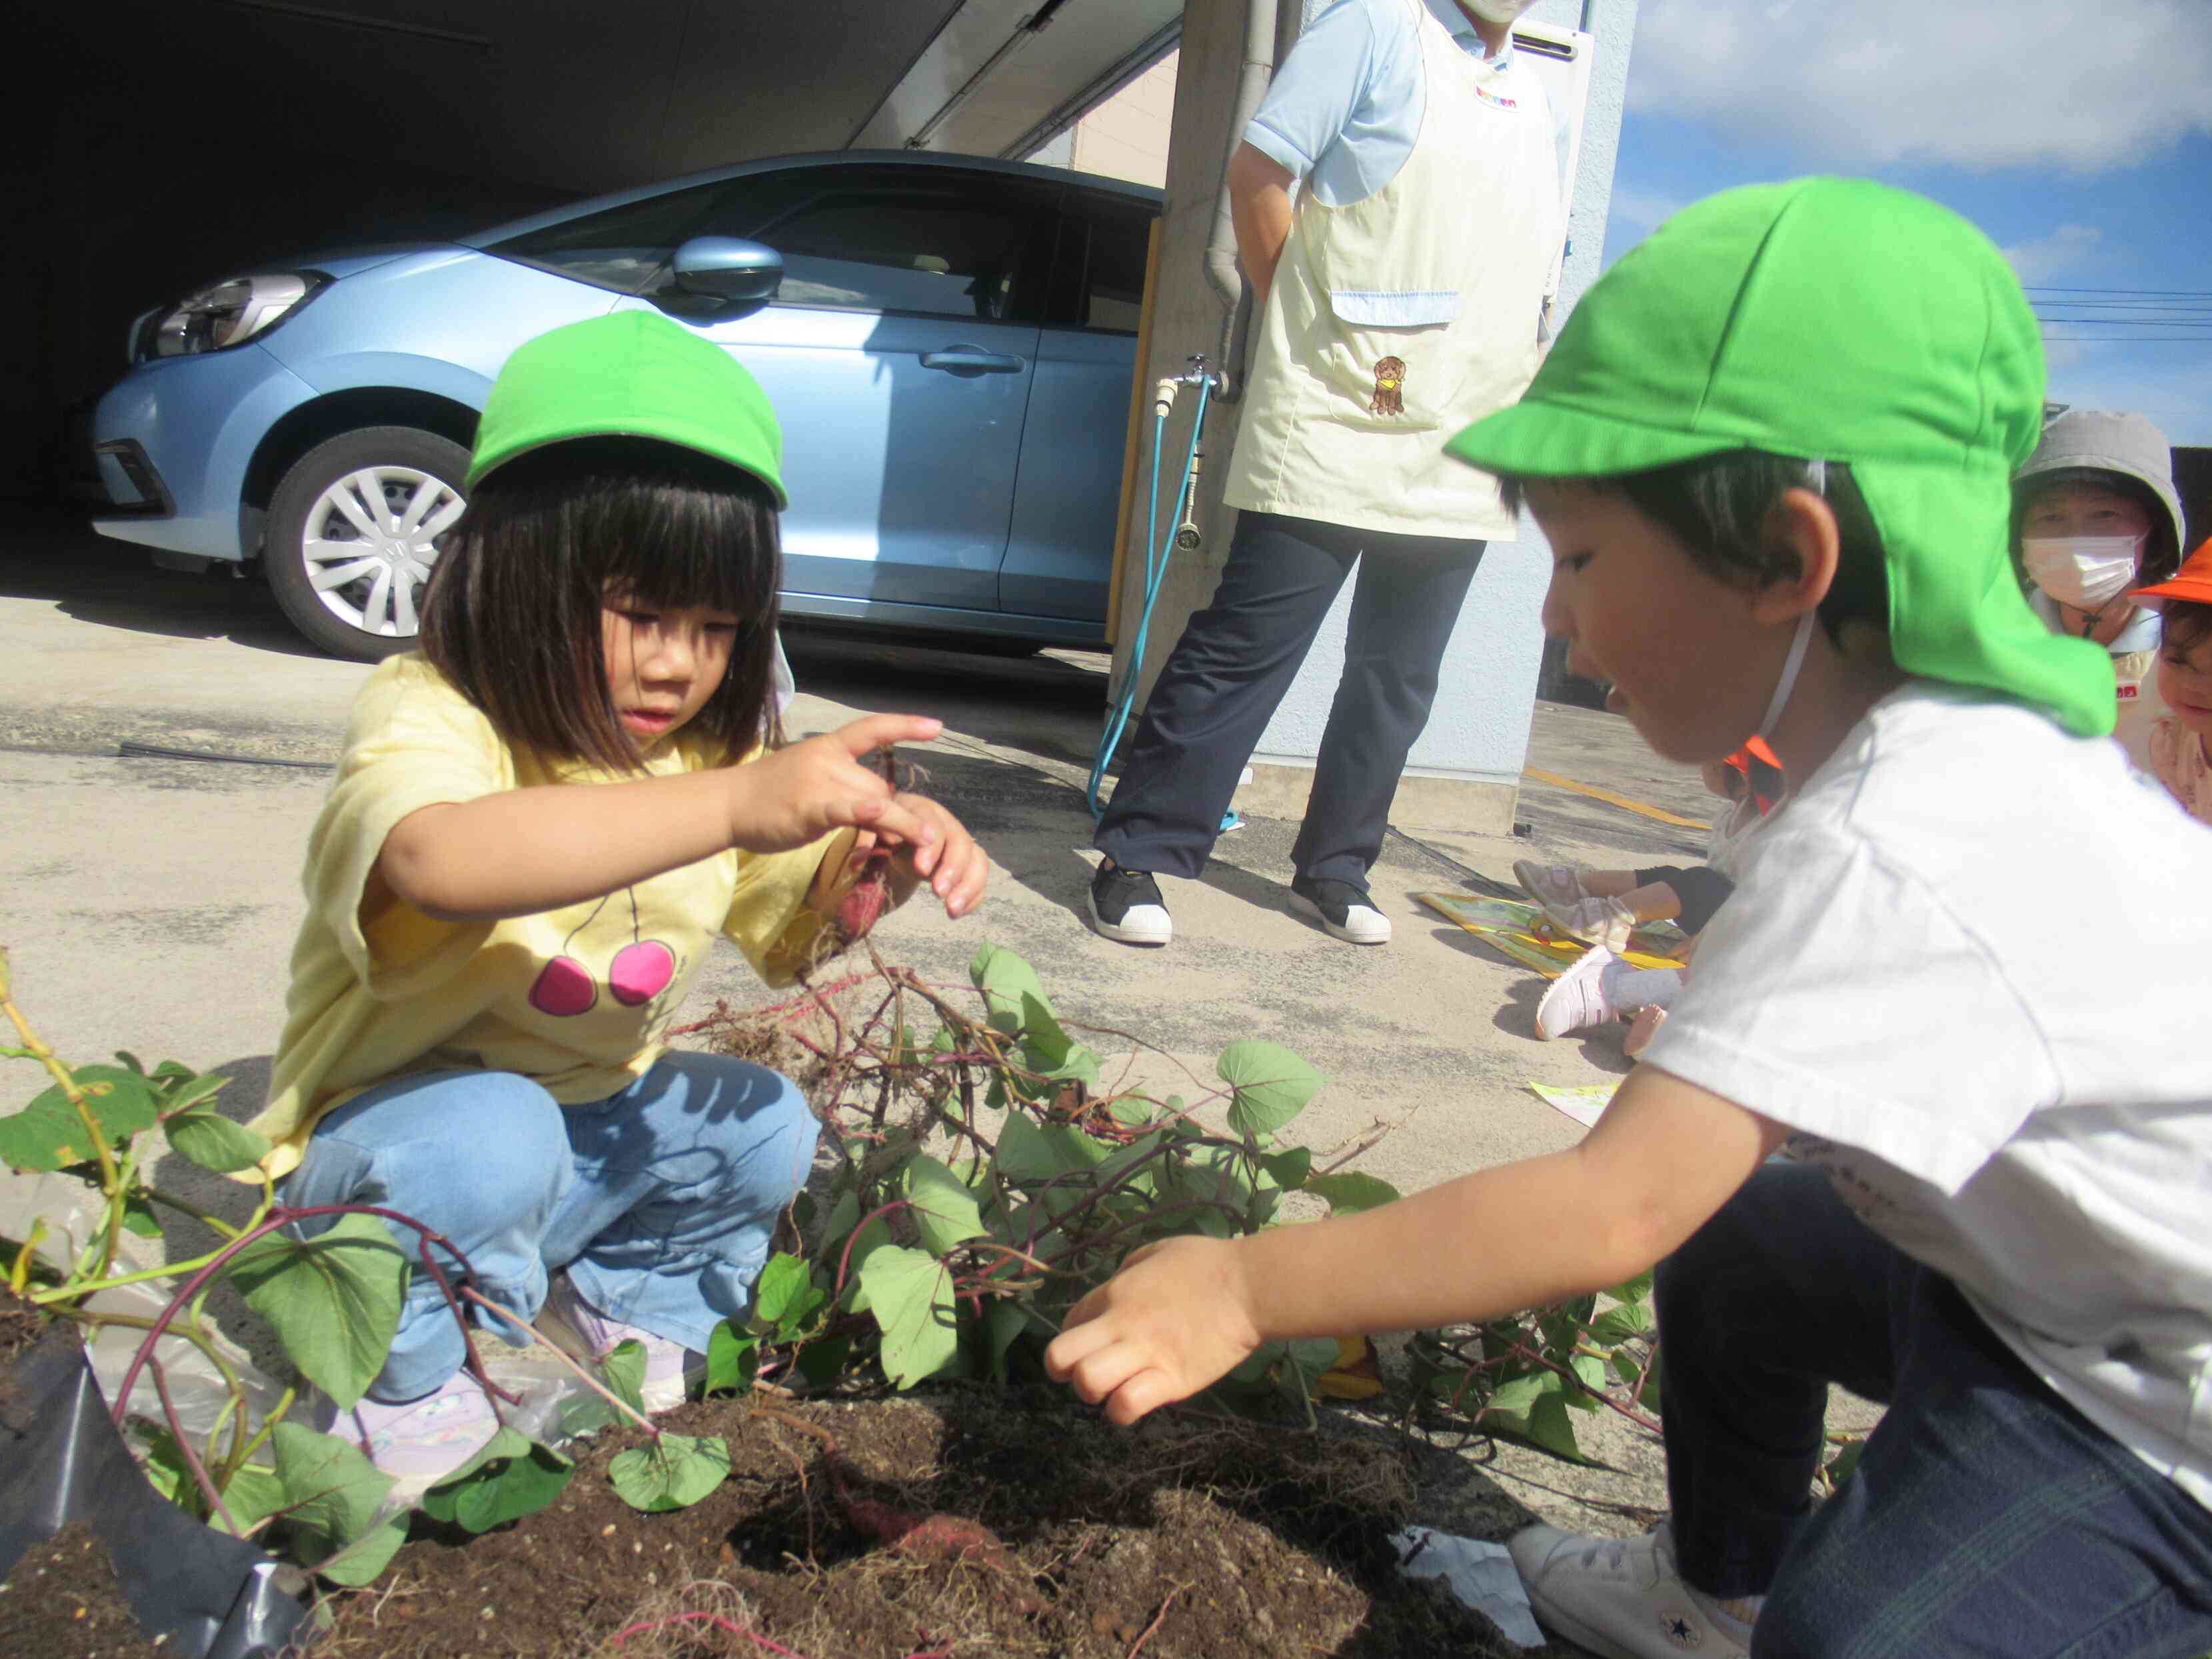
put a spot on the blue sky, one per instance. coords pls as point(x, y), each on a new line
point(2076, 133)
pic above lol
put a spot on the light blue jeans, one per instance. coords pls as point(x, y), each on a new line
point(659, 1200)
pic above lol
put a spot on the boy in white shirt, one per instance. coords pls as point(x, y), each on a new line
point(1779, 435)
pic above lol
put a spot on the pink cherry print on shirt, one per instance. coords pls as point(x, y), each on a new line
point(563, 990)
point(640, 972)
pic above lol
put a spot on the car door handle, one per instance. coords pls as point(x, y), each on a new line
point(972, 360)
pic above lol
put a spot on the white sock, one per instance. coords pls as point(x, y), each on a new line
point(1627, 988)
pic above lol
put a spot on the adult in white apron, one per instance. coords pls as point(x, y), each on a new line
point(1390, 317)
point(2096, 513)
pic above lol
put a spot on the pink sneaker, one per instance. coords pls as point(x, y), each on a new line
point(420, 1442)
point(1550, 883)
point(1578, 998)
point(668, 1365)
point(1600, 921)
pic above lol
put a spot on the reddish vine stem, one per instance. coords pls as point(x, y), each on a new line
point(207, 1486)
point(1158, 1618)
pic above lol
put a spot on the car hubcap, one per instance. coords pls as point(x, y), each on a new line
point(371, 540)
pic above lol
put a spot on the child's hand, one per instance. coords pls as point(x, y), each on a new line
point(800, 795)
point(954, 866)
point(1175, 1319)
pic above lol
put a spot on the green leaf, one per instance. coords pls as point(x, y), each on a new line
point(1131, 1111)
point(786, 1295)
point(1004, 1322)
point(1013, 995)
point(844, 1216)
point(943, 1209)
point(1348, 1191)
point(1289, 1168)
point(1618, 1324)
point(512, 1476)
point(1589, 1372)
point(1518, 1397)
point(165, 1468)
point(332, 1495)
point(1552, 1429)
point(1024, 1152)
point(910, 1293)
point(176, 1090)
point(1637, 1289)
point(254, 1493)
point(1626, 1368)
point(1271, 1087)
point(823, 1362)
point(333, 1300)
point(48, 1133)
point(674, 1473)
point(1840, 1467)
point(212, 1141)
point(732, 1361)
point(622, 1370)
point(1304, 1362)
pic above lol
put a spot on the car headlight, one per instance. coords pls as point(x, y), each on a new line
point(228, 313)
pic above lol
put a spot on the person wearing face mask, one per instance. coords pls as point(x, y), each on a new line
point(2095, 514)
point(1399, 295)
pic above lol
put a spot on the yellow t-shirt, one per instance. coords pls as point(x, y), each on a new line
point(577, 999)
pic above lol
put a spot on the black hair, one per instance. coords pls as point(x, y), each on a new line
point(2184, 624)
point(512, 614)
point(1718, 507)
point(2161, 554)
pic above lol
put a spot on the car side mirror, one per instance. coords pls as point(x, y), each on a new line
point(728, 270)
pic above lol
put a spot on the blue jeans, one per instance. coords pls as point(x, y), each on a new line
point(660, 1201)
point(1986, 1517)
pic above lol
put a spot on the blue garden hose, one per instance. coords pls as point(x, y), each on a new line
point(1155, 570)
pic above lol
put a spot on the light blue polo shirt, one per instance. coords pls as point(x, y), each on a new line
point(1345, 103)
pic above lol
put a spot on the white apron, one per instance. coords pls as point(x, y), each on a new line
point(1395, 321)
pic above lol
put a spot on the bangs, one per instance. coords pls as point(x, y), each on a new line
point(512, 616)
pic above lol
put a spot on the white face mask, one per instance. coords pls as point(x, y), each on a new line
point(1498, 11)
point(2087, 572)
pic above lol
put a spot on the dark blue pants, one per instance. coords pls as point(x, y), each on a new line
point(1986, 1517)
point(1239, 656)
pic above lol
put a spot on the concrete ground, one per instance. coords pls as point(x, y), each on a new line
point(149, 900)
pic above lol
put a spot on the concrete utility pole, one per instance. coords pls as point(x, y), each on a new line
point(1465, 772)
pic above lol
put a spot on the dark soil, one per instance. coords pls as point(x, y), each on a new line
point(1042, 1531)
point(61, 1601)
point(21, 1325)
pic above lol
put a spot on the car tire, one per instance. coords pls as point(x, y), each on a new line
point(393, 490)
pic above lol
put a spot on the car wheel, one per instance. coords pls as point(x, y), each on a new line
point(353, 529)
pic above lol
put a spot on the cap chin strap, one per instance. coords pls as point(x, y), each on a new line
point(1788, 683)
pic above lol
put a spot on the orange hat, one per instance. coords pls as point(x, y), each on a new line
point(2193, 582)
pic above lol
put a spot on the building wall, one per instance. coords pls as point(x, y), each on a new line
point(1127, 137)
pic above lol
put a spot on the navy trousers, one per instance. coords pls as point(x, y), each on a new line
point(1239, 656)
point(1986, 1517)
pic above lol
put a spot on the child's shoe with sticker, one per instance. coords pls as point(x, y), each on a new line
point(420, 1442)
point(1601, 921)
point(669, 1367)
point(1550, 883)
point(1622, 1597)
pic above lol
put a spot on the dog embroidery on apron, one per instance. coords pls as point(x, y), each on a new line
point(1389, 397)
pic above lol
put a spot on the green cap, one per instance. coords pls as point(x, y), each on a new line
point(631, 374)
point(1831, 319)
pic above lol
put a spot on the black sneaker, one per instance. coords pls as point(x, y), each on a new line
point(1344, 911)
point(1127, 907)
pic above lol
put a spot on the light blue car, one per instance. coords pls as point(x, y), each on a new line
point(949, 341)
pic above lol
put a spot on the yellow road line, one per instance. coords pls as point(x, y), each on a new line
point(1612, 800)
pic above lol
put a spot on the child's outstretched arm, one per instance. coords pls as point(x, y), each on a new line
point(523, 851)
point(1180, 1314)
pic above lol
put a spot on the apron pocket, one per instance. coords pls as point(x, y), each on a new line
point(1383, 356)
point(1382, 308)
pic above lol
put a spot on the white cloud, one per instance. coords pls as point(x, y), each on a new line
point(2069, 247)
point(2172, 387)
point(1634, 214)
point(2051, 83)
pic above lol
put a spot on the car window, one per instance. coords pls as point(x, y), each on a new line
point(623, 248)
point(906, 239)
point(1098, 270)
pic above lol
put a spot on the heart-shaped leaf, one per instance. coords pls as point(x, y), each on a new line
point(512, 1476)
point(732, 1361)
point(1271, 1087)
point(623, 1372)
point(785, 1297)
point(333, 1300)
point(945, 1211)
point(674, 1473)
point(50, 1133)
point(910, 1293)
point(1348, 1191)
point(332, 1497)
point(1013, 995)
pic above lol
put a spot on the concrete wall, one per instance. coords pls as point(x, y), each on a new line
point(1464, 772)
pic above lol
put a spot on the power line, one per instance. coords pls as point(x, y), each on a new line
point(2172, 293)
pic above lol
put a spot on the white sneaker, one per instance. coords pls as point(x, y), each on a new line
point(1576, 1000)
point(1621, 1597)
point(1550, 883)
point(1344, 911)
point(1605, 921)
point(668, 1365)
